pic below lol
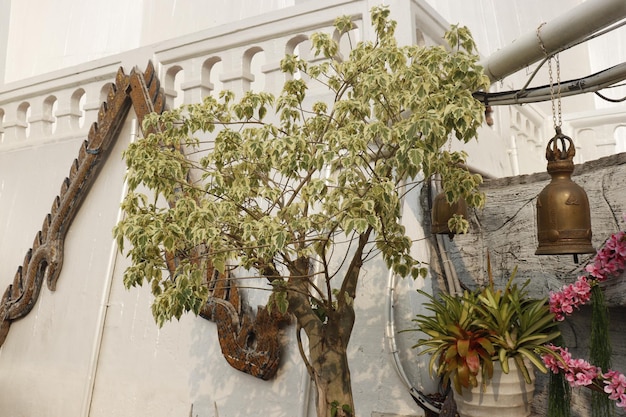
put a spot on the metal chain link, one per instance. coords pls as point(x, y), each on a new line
point(554, 96)
point(558, 120)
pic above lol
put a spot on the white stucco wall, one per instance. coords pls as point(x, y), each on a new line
point(46, 360)
point(71, 32)
point(91, 347)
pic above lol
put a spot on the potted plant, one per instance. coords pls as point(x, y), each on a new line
point(487, 337)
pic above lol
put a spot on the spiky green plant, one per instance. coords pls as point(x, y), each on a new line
point(467, 334)
point(459, 347)
point(519, 326)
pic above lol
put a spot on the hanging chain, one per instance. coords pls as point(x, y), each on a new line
point(558, 119)
point(555, 97)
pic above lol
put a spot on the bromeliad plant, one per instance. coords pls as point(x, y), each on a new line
point(460, 348)
point(467, 334)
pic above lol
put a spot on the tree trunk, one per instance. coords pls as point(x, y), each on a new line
point(330, 372)
point(328, 334)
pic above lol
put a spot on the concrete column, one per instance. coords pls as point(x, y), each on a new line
point(41, 121)
point(15, 124)
point(235, 77)
point(68, 114)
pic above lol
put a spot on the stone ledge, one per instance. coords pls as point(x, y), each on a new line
point(580, 169)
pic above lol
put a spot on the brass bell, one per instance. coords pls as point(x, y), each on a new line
point(563, 216)
point(442, 211)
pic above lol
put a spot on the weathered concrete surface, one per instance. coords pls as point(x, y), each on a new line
point(506, 228)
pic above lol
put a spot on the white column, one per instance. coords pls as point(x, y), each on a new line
point(235, 77)
point(14, 124)
point(194, 87)
point(41, 120)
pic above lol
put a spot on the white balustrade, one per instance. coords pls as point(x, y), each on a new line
point(238, 57)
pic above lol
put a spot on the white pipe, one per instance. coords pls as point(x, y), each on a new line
point(390, 327)
point(513, 156)
point(393, 347)
point(570, 27)
point(104, 305)
point(391, 330)
point(305, 392)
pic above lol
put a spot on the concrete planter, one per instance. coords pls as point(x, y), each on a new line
point(504, 395)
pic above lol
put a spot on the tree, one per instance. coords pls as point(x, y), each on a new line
point(306, 199)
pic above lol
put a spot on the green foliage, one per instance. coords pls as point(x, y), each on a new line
point(346, 410)
point(265, 182)
point(559, 395)
point(600, 350)
point(520, 327)
point(559, 391)
point(467, 333)
point(459, 347)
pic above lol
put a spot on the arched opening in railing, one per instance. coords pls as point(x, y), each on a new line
point(48, 118)
point(300, 46)
point(104, 92)
point(22, 128)
point(210, 75)
point(173, 80)
point(77, 106)
point(92, 114)
point(347, 41)
point(253, 60)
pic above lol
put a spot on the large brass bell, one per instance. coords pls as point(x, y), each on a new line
point(563, 217)
point(442, 211)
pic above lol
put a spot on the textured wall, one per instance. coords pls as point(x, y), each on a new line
point(506, 229)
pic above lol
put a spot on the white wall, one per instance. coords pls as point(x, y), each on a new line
point(45, 36)
point(91, 348)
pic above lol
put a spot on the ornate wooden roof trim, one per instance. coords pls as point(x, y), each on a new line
point(249, 342)
point(44, 261)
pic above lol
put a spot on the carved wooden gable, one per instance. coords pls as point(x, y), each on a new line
point(249, 343)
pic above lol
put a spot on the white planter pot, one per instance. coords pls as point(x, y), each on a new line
point(505, 395)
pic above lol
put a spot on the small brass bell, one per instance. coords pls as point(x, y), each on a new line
point(563, 216)
point(442, 211)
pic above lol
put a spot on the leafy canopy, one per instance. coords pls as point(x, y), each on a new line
point(266, 181)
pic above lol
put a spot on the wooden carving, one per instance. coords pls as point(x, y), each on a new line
point(45, 259)
point(249, 342)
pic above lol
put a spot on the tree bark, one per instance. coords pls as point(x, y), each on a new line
point(331, 374)
point(328, 337)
